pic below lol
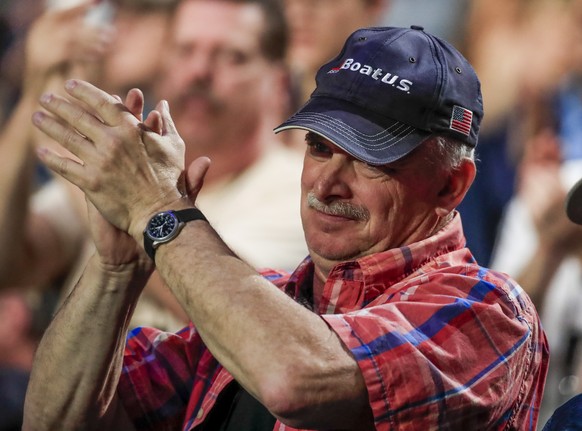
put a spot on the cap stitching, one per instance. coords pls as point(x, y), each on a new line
point(315, 116)
point(350, 134)
point(345, 129)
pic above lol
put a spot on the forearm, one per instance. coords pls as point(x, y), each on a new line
point(282, 353)
point(278, 350)
point(161, 295)
point(78, 362)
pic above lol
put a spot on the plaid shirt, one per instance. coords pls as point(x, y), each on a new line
point(442, 343)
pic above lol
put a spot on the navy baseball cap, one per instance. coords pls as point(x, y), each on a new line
point(388, 90)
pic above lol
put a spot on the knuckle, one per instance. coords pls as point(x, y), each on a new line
point(62, 166)
point(113, 148)
point(70, 138)
point(92, 184)
point(102, 103)
point(78, 116)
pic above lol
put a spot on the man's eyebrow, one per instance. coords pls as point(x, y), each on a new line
point(312, 136)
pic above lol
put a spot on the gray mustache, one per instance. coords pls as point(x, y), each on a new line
point(338, 208)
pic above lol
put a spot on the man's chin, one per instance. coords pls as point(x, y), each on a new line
point(335, 254)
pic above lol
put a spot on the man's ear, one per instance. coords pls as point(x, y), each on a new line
point(455, 187)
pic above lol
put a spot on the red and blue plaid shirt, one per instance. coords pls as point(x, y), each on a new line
point(442, 343)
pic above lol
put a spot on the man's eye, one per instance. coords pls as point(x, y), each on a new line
point(233, 57)
point(385, 169)
point(318, 149)
point(375, 170)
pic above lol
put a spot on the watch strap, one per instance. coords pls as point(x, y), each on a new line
point(189, 214)
point(183, 216)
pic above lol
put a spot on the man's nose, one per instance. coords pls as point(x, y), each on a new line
point(332, 181)
point(200, 68)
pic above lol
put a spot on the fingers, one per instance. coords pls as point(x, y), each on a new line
point(72, 114)
point(134, 101)
point(104, 105)
point(63, 166)
point(90, 115)
point(154, 122)
point(161, 138)
point(195, 176)
point(66, 136)
point(168, 123)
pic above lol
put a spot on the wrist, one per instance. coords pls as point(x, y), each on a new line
point(141, 217)
point(165, 226)
point(135, 271)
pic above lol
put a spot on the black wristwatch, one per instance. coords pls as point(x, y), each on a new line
point(165, 226)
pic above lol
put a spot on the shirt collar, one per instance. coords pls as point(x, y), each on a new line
point(353, 284)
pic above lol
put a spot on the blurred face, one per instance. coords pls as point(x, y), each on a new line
point(319, 28)
point(351, 209)
point(217, 80)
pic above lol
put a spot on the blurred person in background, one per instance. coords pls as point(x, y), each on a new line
point(46, 224)
point(536, 242)
point(443, 18)
point(27, 235)
point(140, 31)
point(224, 87)
point(516, 54)
point(225, 79)
point(16, 16)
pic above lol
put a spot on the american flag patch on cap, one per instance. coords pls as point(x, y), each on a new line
point(461, 120)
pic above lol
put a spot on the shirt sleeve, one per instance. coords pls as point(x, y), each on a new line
point(433, 356)
point(158, 372)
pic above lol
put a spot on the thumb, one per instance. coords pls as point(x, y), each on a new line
point(154, 122)
point(134, 101)
point(169, 128)
point(195, 176)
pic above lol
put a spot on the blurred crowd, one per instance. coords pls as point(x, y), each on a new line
point(227, 92)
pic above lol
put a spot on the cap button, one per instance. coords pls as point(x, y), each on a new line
point(417, 27)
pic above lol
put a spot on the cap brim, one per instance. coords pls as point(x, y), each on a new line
point(574, 203)
point(362, 134)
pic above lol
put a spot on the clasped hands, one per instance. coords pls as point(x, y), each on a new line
point(129, 168)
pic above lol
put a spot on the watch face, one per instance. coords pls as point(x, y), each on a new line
point(162, 226)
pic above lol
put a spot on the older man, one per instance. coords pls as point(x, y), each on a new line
point(389, 324)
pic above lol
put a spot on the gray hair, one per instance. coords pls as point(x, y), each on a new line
point(449, 152)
